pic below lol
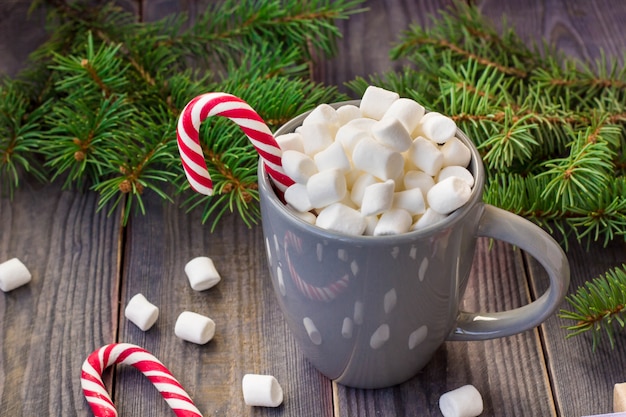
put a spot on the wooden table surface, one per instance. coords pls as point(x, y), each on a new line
point(86, 267)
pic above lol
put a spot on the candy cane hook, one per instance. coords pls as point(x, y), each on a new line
point(240, 112)
point(125, 353)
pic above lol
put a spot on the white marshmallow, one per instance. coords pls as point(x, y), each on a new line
point(341, 218)
point(448, 195)
point(425, 155)
point(347, 113)
point(13, 274)
point(359, 186)
point(393, 222)
point(370, 225)
point(465, 401)
point(362, 123)
point(377, 198)
point(429, 218)
point(376, 101)
point(194, 327)
point(408, 112)
point(316, 137)
point(380, 161)
point(261, 390)
point(323, 114)
point(352, 176)
point(348, 136)
point(290, 142)
point(141, 312)
point(455, 152)
point(333, 157)
point(298, 166)
point(392, 133)
point(418, 179)
point(411, 200)
point(307, 216)
point(456, 171)
point(437, 127)
point(201, 273)
point(296, 195)
point(326, 187)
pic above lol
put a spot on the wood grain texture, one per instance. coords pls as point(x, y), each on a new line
point(368, 38)
point(251, 335)
point(583, 380)
point(20, 34)
point(49, 326)
point(578, 28)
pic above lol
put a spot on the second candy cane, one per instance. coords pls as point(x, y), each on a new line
point(237, 110)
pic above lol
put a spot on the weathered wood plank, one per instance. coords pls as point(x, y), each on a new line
point(572, 359)
point(368, 37)
point(49, 326)
point(251, 335)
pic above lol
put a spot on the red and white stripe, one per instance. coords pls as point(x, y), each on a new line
point(125, 353)
point(325, 293)
point(240, 112)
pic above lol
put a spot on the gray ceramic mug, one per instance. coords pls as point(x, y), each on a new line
point(370, 312)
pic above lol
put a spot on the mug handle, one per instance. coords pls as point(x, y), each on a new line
point(506, 226)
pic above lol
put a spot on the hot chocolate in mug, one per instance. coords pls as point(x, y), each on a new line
point(370, 311)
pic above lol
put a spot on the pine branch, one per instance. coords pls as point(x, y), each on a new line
point(100, 101)
point(550, 130)
point(598, 307)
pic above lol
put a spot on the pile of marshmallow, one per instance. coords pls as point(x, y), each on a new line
point(385, 167)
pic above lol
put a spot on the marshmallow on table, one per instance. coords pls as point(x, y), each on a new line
point(201, 273)
point(376, 101)
point(13, 274)
point(619, 397)
point(298, 166)
point(465, 401)
point(448, 195)
point(141, 312)
point(261, 390)
point(437, 127)
point(194, 327)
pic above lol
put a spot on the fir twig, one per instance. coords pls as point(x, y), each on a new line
point(598, 306)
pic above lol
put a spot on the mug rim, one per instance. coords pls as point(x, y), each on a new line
point(476, 166)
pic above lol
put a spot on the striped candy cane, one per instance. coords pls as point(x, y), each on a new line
point(125, 353)
point(237, 110)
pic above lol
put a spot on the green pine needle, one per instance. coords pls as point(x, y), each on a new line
point(598, 307)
